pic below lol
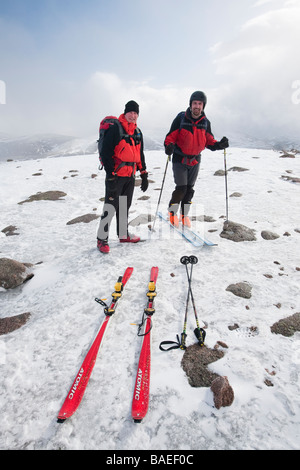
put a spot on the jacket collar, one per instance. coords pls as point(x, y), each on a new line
point(128, 126)
point(188, 115)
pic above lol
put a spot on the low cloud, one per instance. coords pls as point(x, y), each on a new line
point(106, 93)
point(258, 71)
point(251, 81)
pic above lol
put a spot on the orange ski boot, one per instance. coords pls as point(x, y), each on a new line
point(185, 220)
point(173, 219)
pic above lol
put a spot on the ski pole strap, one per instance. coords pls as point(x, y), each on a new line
point(101, 302)
point(107, 310)
point(174, 344)
point(140, 326)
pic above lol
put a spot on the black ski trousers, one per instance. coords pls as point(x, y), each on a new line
point(185, 177)
point(118, 206)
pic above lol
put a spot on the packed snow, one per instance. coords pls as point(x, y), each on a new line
point(39, 361)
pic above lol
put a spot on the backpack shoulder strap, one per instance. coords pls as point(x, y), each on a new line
point(181, 116)
point(121, 129)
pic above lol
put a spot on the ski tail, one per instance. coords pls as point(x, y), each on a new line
point(192, 237)
point(79, 385)
point(140, 401)
point(141, 394)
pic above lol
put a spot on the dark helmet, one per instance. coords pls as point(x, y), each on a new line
point(198, 96)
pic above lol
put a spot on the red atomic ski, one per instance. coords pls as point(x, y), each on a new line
point(77, 390)
point(140, 401)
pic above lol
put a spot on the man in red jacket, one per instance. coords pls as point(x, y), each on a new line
point(189, 135)
point(121, 155)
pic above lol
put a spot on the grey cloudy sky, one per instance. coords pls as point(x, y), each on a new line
point(66, 64)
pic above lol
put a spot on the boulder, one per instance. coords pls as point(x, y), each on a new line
point(240, 289)
point(223, 392)
point(267, 235)
point(237, 232)
point(287, 326)
point(195, 361)
point(13, 273)
point(9, 324)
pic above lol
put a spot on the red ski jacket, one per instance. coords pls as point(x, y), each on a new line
point(123, 155)
point(190, 136)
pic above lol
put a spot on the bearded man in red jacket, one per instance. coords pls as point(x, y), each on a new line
point(189, 135)
point(122, 155)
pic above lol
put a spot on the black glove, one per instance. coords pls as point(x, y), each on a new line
point(145, 183)
point(169, 149)
point(111, 187)
point(223, 144)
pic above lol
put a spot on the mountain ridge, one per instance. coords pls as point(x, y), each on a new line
point(35, 146)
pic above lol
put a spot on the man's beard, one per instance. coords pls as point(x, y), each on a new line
point(196, 112)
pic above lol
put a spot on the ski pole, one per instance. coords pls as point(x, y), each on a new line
point(199, 332)
point(180, 343)
point(185, 260)
point(183, 334)
point(160, 194)
point(226, 191)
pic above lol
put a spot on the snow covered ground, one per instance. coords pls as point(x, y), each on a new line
point(39, 361)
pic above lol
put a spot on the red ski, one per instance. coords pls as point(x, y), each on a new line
point(140, 401)
point(77, 390)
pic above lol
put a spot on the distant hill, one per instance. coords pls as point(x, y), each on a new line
point(54, 145)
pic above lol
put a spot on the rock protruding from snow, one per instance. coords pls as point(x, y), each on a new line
point(287, 326)
point(10, 230)
point(87, 218)
point(141, 219)
point(223, 392)
point(13, 273)
point(9, 324)
point(240, 289)
point(267, 235)
point(195, 361)
point(237, 232)
point(46, 196)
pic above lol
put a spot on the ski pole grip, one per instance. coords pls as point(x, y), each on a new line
point(185, 260)
point(183, 338)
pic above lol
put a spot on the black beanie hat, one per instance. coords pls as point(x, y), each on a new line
point(131, 106)
point(198, 96)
